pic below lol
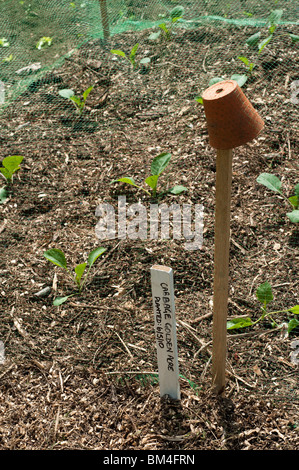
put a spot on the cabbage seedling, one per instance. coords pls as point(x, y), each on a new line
point(265, 296)
point(249, 65)
point(158, 165)
point(273, 21)
point(10, 165)
point(175, 15)
point(42, 42)
point(57, 257)
point(79, 104)
point(273, 183)
point(130, 58)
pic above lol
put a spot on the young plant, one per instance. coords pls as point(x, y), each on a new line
point(4, 42)
point(265, 296)
point(273, 183)
point(166, 28)
point(158, 165)
point(57, 257)
point(130, 57)
point(79, 104)
point(249, 65)
point(273, 21)
point(43, 42)
point(9, 167)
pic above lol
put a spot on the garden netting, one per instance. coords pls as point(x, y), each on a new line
point(37, 35)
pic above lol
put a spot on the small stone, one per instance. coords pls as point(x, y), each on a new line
point(44, 292)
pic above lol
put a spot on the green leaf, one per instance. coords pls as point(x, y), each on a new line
point(44, 41)
point(199, 99)
point(56, 257)
point(79, 270)
point(264, 43)
point(293, 216)
point(154, 36)
point(270, 181)
point(294, 37)
point(178, 189)
point(66, 93)
point(93, 255)
point(4, 42)
point(77, 100)
point(297, 190)
point(118, 52)
point(240, 79)
point(145, 60)
point(152, 181)
point(174, 20)
point(159, 163)
point(238, 323)
point(134, 50)
point(294, 310)
point(254, 39)
point(12, 163)
point(244, 59)
point(60, 300)
point(294, 200)
point(6, 173)
point(264, 293)
point(3, 195)
point(293, 324)
point(177, 12)
point(125, 179)
point(86, 92)
point(272, 28)
point(164, 27)
point(8, 58)
point(275, 17)
point(215, 80)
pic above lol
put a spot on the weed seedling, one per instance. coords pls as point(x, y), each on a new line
point(79, 104)
point(265, 296)
point(273, 183)
point(9, 167)
point(158, 165)
point(57, 257)
point(130, 57)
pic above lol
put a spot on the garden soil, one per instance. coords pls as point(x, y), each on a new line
point(83, 375)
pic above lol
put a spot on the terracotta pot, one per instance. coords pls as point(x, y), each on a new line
point(232, 120)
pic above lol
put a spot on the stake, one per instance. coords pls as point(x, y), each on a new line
point(232, 121)
point(105, 20)
point(221, 266)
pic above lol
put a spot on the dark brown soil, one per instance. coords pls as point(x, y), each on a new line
point(83, 375)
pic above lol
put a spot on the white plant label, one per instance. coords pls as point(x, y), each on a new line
point(165, 330)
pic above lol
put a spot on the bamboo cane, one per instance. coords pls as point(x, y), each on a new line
point(105, 19)
point(221, 266)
